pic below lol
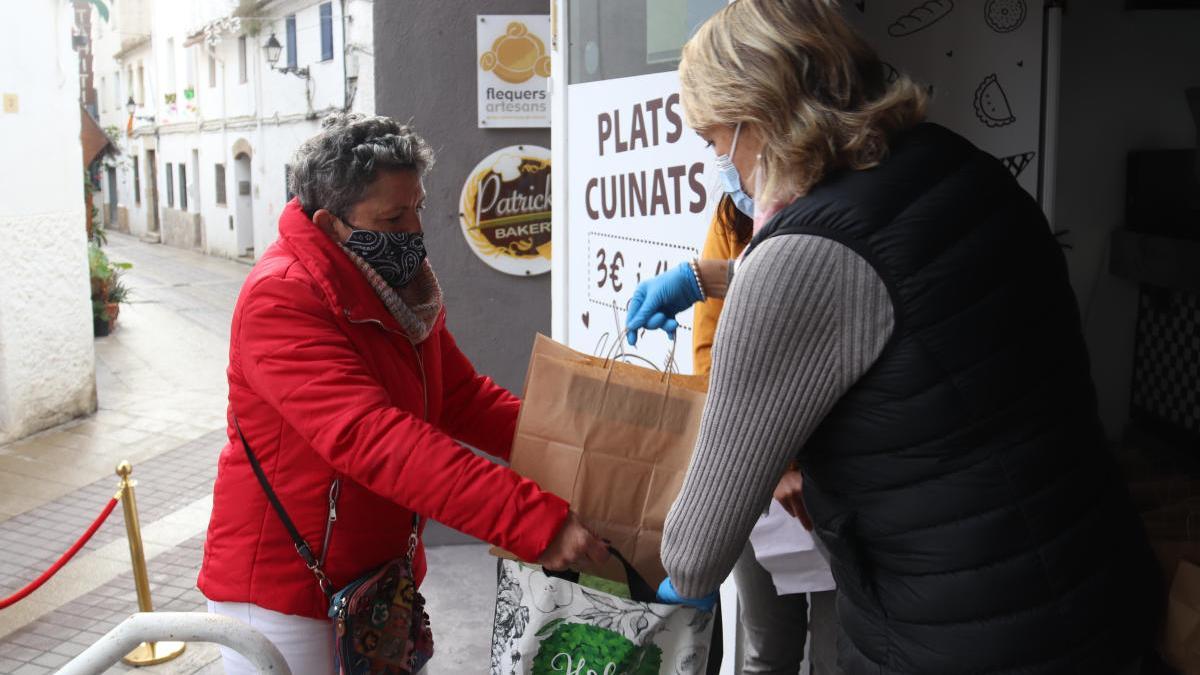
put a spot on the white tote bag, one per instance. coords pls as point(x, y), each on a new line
point(553, 626)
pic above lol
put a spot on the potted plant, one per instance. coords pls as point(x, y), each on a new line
point(108, 289)
point(116, 293)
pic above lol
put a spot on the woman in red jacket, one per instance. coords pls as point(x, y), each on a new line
point(353, 396)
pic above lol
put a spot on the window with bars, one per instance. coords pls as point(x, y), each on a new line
point(170, 186)
point(219, 174)
point(183, 186)
point(242, 60)
point(137, 183)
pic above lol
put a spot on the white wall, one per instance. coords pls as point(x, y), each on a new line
point(1123, 75)
point(360, 36)
point(47, 362)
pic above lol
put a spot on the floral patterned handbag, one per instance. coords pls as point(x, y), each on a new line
point(382, 627)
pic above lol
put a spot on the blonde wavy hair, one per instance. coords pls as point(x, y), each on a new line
point(813, 87)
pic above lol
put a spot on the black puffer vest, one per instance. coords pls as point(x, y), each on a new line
point(975, 520)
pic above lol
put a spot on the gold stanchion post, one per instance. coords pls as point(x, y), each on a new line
point(147, 653)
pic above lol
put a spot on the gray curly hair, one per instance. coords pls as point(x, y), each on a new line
point(332, 170)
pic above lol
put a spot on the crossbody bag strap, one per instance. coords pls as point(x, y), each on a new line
point(302, 546)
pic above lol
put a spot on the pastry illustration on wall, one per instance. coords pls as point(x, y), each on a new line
point(921, 17)
point(1004, 16)
point(991, 103)
point(1017, 163)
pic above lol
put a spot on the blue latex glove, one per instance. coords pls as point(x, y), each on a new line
point(668, 595)
point(656, 301)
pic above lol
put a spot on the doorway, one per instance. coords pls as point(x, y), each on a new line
point(245, 205)
point(152, 193)
point(111, 211)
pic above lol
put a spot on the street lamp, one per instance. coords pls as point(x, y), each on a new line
point(274, 49)
point(132, 106)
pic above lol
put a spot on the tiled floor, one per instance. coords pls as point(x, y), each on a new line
point(161, 387)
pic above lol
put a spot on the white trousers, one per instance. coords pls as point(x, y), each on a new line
point(307, 644)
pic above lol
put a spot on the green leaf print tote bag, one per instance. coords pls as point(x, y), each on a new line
point(554, 625)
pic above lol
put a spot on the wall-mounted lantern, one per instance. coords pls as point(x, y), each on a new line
point(274, 49)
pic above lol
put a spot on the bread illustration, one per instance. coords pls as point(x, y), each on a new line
point(921, 17)
point(1004, 16)
point(991, 103)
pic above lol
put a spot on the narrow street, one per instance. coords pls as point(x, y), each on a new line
point(162, 395)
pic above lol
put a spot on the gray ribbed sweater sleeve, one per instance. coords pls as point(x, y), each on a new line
point(805, 318)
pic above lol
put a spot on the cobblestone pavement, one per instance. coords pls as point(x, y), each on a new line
point(162, 395)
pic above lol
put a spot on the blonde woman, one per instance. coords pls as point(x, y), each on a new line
point(771, 627)
point(902, 327)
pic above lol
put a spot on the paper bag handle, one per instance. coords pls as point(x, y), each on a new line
point(639, 589)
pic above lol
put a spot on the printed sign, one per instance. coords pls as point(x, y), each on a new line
point(514, 64)
point(504, 210)
point(640, 200)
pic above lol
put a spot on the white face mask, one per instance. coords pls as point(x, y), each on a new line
point(731, 181)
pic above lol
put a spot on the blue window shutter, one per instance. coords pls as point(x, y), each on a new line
point(291, 40)
point(327, 31)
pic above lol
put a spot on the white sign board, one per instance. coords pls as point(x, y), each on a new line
point(513, 62)
point(640, 198)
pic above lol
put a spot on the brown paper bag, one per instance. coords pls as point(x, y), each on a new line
point(614, 440)
point(1183, 620)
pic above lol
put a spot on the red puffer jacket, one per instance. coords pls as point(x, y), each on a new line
point(325, 384)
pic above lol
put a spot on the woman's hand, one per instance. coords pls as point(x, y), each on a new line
point(788, 492)
point(656, 301)
point(668, 595)
point(574, 544)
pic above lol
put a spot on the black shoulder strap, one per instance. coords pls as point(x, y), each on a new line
point(639, 589)
point(302, 546)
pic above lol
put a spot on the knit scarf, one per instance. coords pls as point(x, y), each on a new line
point(415, 307)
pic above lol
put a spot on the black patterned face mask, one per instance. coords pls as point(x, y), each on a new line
point(396, 256)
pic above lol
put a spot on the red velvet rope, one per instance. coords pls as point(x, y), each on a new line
point(21, 594)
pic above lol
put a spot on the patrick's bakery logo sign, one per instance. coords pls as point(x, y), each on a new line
point(505, 210)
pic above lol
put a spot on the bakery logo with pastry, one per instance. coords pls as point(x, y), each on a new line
point(514, 67)
point(504, 210)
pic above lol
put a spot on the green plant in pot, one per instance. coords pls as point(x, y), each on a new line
point(108, 289)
